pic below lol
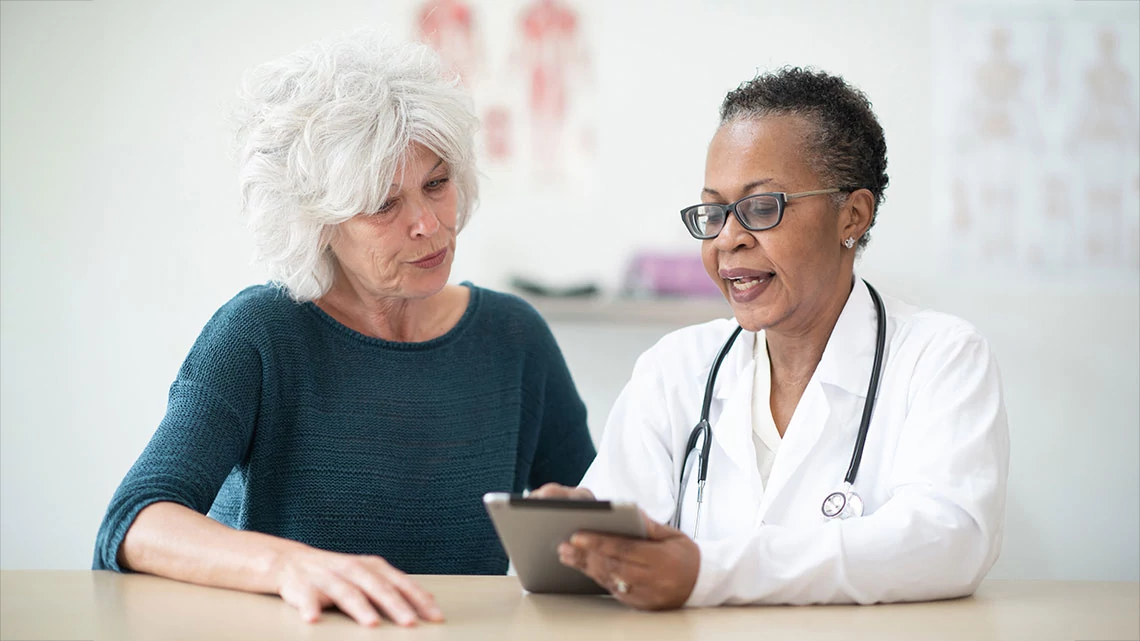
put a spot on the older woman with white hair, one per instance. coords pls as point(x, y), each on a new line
point(341, 424)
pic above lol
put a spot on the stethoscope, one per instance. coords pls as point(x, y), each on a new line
point(844, 503)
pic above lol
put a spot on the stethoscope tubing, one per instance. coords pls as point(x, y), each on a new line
point(872, 387)
point(703, 429)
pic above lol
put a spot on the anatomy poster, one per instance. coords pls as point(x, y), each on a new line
point(449, 27)
point(528, 65)
point(1036, 115)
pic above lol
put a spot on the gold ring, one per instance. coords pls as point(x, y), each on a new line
point(620, 586)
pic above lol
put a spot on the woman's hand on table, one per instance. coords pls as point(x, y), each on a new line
point(365, 588)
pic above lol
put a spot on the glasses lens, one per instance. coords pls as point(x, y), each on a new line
point(704, 221)
point(759, 212)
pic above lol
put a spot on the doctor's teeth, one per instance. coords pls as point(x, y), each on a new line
point(741, 285)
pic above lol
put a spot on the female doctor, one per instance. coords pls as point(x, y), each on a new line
point(859, 447)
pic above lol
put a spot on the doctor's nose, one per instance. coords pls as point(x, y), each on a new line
point(733, 236)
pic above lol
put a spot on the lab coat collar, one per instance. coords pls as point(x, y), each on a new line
point(849, 355)
point(846, 361)
point(737, 363)
point(732, 429)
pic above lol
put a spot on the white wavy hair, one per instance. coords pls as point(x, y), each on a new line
point(321, 136)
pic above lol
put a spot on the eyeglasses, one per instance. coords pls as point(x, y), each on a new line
point(754, 213)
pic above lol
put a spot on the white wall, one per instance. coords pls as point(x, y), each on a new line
point(119, 239)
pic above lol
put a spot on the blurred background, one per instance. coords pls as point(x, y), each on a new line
point(1014, 156)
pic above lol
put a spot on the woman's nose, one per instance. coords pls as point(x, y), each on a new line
point(426, 222)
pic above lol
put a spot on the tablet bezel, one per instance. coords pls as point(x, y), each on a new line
point(531, 530)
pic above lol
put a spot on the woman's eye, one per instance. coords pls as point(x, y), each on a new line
point(386, 207)
point(436, 184)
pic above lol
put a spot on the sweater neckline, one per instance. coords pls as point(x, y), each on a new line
point(439, 341)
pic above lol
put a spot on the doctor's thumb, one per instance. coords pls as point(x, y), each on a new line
point(655, 531)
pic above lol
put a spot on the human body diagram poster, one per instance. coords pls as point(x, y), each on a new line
point(1036, 118)
point(529, 67)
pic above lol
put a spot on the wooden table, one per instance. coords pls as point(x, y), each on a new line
point(67, 606)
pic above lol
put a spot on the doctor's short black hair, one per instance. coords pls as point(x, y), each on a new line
point(848, 148)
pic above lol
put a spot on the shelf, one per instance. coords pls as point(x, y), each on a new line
point(677, 312)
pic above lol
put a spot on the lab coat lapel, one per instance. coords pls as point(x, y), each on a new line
point(803, 433)
point(732, 429)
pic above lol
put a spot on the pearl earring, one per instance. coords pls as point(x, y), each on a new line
point(849, 243)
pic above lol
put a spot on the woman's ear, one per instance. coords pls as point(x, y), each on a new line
point(329, 234)
point(856, 214)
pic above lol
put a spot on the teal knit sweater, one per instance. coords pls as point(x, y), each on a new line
point(284, 421)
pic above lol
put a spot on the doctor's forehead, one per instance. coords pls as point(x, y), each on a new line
point(731, 190)
point(769, 151)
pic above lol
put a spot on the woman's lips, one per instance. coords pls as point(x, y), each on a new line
point(431, 260)
point(747, 288)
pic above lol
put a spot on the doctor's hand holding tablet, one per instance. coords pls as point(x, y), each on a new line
point(570, 520)
point(828, 444)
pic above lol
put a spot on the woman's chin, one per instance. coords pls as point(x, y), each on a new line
point(429, 284)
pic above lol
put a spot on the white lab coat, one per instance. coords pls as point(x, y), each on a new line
point(933, 474)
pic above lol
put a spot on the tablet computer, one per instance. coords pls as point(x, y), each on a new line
point(532, 529)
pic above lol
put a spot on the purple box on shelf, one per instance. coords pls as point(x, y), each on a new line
point(654, 274)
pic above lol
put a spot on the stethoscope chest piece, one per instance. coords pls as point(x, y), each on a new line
point(843, 504)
